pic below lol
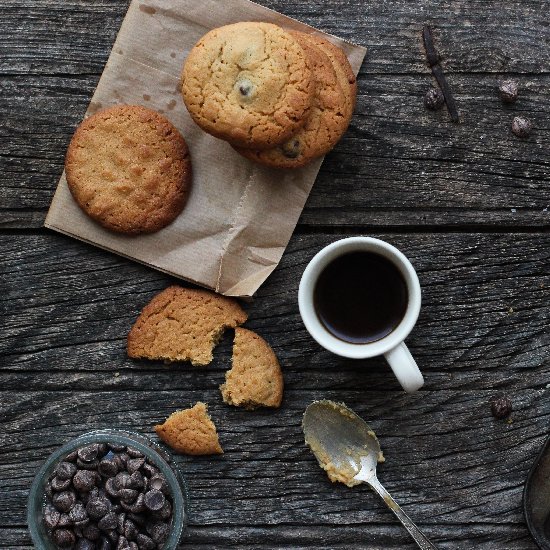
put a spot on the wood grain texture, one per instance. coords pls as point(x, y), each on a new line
point(469, 205)
point(398, 165)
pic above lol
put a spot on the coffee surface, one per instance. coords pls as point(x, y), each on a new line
point(360, 297)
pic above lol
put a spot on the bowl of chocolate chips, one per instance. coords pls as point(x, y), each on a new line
point(108, 490)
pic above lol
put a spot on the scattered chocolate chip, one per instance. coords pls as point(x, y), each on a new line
point(84, 480)
point(107, 467)
point(135, 464)
point(145, 543)
point(508, 91)
point(434, 99)
point(60, 484)
point(85, 544)
point(501, 406)
point(64, 538)
point(122, 544)
point(154, 500)
point(98, 507)
point(64, 501)
point(65, 470)
point(91, 531)
point(108, 522)
point(134, 453)
point(149, 470)
point(88, 453)
point(51, 516)
point(78, 515)
point(111, 487)
point(521, 126)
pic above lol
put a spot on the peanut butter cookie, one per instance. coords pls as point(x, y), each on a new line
point(255, 379)
point(191, 432)
point(248, 83)
point(129, 169)
point(183, 324)
point(327, 121)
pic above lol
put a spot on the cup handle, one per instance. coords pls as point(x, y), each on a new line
point(405, 368)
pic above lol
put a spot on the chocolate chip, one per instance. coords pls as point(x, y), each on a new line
point(135, 464)
point(60, 484)
point(149, 469)
point(87, 465)
point(107, 467)
point(113, 535)
point(78, 515)
point(521, 126)
point(64, 520)
point(116, 447)
point(130, 530)
point(122, 544)
point(134, 453)
point(64, 501)
point(154, 500)
point(136, 480)
point(71, 457)
point(133, 546)
point(508, 91)
point(63, 538)
point(145, 543)
point(128, 495)
point(501, 406)
point(158, 531)
point(91, 531)
point(88, 453)
point(51, 516)
point(291, 149)
point(123, 481)
point(104, 544)
point(160, 484)
point(138, 519)
point(108, 522)
point(434, 99)
point(84, 480)
point(111, 487)
point(98, 507)
point(164, 512)
point(65, 470)
point(85, 544)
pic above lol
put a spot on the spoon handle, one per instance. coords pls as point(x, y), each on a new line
point(414, 531)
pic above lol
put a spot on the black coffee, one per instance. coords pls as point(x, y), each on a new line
point(360, 297)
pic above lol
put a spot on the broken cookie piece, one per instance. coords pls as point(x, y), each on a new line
point(183, 324)
point(190, 432)
point(255, 379)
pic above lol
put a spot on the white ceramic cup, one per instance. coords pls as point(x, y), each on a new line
point(391, 346)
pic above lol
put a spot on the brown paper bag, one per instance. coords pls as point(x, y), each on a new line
point(240, 216)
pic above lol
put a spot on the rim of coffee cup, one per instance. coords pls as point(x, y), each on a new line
point(311, 319)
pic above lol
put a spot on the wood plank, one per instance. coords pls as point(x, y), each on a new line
point(448, 461)
point(398, 165)
point(67, 308)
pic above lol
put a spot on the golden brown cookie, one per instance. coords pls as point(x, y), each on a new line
point(183, 324)
point(341, 65)
point(248, 83)
point(129, 169)
point(190, 432)
point(255, 379)
point(328, 118)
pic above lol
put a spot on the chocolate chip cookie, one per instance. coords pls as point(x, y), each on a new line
point(248, 83)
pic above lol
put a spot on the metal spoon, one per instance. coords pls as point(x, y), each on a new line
point(348, 450)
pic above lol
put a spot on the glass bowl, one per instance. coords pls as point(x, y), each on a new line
point(158, 456)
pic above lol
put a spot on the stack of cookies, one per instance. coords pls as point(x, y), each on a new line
point(279, 98)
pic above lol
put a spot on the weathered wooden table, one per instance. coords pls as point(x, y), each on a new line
point(468, 203)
